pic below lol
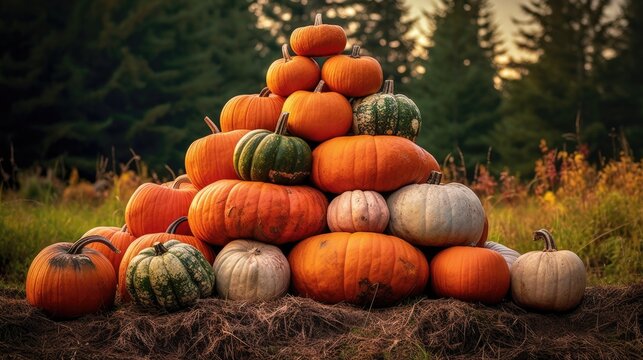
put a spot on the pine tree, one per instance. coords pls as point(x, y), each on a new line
point(456, 95)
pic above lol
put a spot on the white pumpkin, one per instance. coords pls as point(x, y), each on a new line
point(549, 280)
point(436, 215)
point(358, 210)
point(510, 255)
point(251, 271)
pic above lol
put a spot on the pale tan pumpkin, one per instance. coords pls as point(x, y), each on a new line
point(358, 210)
point(251, 271)
point(510, 255)
point(436, 215)
point(548, 280)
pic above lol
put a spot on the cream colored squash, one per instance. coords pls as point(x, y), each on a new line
point(510, 255)
point(251, 271)
point(436, 215)
point(358, 210)
point(549, 280)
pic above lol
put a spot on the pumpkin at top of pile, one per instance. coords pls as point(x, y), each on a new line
point(379, 163)
point(292, 73)
point(318, 39)
point(251, 111)
point(353, 75)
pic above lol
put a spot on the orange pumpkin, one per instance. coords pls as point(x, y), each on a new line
point(153, 207)
point(210, 158)
point(360, 268)
point(287, 75)
point(379, 163)
point(470, 274)
point(276, 214)
point(148, 240)
point(251, 111)
point(318, 39)
point(353, 75)
point(317, 115)
point(119, 237)
point(68, 280)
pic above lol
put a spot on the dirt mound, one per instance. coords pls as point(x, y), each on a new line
point(607, 325)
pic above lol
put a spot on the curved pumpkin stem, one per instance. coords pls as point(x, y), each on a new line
point(544, 234)
point(318, 19)
point(211, 125)
point(320, 86)
point(159, 249)
point(124, 228)
point(282, 123)
point(285, 53)
point(265, 92)
point(81, 243)
point(180, 180)
point(388, 87)
point(171, 229)
point(355, 52)
point(435, 178)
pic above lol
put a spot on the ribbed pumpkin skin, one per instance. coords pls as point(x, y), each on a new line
point(470, 274)
point(274, 214)
point(436, 215)
point(510, 255)
point(209, 159)
point(251, 111)
point(251, 271)
point(289, 74)
point(119, 237)
point(262, 155)
point(152, 207)
point(358, 210)
point(171, 280)
point(357, 268)
point(67, 286)
point(148, 240)
point(352, 76)
point(386, 113)
point(318, 39)
point(379, 163)
point(318, 116)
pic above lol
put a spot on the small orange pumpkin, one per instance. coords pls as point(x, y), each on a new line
point(251, 111)
point(353, 75)
point(317, 115)
point(119, 237)
point(292, 73)
point(318, 39)
point(209, 159)
point(68, 280)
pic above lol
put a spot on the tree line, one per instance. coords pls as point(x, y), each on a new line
point(85, 78)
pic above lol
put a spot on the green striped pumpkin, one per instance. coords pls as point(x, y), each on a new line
point(265, 156)
point(386, 113)
point(171, 276)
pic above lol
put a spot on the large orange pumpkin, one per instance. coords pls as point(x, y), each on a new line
point(292, 73)
point(68, 280)
point(317, 115)
point(210, 158)
point(318, 39)
point(276, 214)
point(379, 163)
point(119, 237)
point(470, 274)
point(153, 207)
point(353, 75)
point(360, 268)
point(148, 240)
point(251, 111)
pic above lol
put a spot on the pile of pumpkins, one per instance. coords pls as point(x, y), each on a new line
point(321, 166)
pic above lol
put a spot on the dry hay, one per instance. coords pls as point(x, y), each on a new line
point(607, 325)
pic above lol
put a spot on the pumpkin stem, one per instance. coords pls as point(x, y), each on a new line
point(355, 52)
point(320, 86)
point(544, 234)
point(211, 125)
point(255, 251)
point(435, 178)
point(282, 123)
point(80, 244)
point(180, 180)
point(388, 87)
point(171, 229)
point(124, 228)
point(159, 249)
point(318, 19)
point(284, 53)
point(265, 92)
